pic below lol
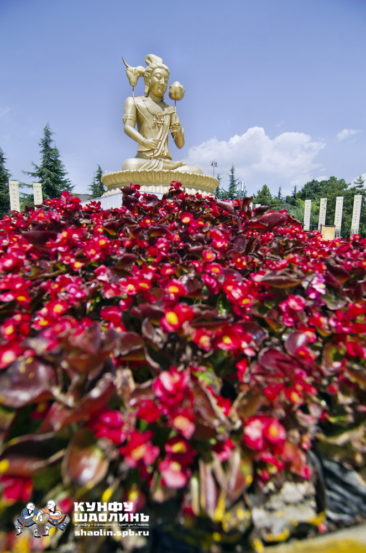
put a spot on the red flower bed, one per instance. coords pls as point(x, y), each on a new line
point(180, 349)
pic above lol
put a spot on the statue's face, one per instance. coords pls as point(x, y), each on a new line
point(159, 82)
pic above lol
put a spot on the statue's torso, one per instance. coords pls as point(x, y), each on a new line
point(153, 121)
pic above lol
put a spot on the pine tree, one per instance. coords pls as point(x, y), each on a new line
point(360, 181)
point(4, 186)
point(51, 172)
point(263, 196)
point(233, 185)
point(221, 192)
point(218, 191)
point(97, 188)
point(242, 190)
point(279, 195)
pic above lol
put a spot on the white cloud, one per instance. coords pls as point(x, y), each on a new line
point(285, 160)
point(346, 133)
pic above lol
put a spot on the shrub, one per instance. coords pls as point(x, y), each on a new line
point(184, 353)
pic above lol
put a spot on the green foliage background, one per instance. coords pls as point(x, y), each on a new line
point(313, 190)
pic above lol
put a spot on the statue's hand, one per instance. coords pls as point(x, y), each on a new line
point(151, 143)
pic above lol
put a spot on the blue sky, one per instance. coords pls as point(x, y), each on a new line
point(275, 87)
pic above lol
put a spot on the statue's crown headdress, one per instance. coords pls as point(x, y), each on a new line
point(134, 73)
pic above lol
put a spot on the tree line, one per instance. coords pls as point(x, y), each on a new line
point(50, 172)
point(313, 190)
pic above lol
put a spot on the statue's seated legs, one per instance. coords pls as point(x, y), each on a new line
point(189, 169)
point(157, 164)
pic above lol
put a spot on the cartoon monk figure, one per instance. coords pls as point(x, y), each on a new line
point(52, 517)
point(26, 519)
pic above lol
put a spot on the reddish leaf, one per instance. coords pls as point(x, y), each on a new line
point(258, 332)
point(129, 341)
point(208, 489)
point(6, 418)
point(96, 399)
point(147, 311)
point(26, 382)
point(240, 475)
point(84, 463)
point(39, 237)
point(275, 360)
point(278, 280)
point(153, 334)
point(207, 412)
point(28, 454)
point(296, 340)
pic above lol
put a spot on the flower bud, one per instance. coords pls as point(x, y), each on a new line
point(176, 91)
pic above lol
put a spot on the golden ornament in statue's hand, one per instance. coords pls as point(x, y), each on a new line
point(176, 91)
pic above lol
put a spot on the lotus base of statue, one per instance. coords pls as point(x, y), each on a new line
point(158, 182)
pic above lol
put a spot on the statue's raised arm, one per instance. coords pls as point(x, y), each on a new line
point(148, 119)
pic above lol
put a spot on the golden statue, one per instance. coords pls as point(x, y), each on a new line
point(154, 120)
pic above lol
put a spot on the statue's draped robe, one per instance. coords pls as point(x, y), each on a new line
point(152, 121)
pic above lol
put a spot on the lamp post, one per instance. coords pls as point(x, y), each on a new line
point(213, 165)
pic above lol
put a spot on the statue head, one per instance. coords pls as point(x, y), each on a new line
point(154, 64)
point(155, 71)
point(51, 505)
point(30, 507)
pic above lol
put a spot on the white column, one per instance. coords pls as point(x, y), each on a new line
point(356, 213)
point(307, 213)
point(338, 215)
point(37, 193)
point(14, 195)
point(322, 212)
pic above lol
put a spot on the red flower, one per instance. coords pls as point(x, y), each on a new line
point(175, 288)
point(224, 449)
point(66, 504)
point(171, 387)
point(16, 488)
point(242, 367)
point(148, 411)
point(112, 314)
point(186, 218)
point(173, 474)
point(176, 316)
point(273, 391)
point(209, 255)
point(183, 421)
point(262, 431)
point(274, 432)
point(354, 349)
point(203, 338)
point(139, 449)
point(270, 459)
point(254, 433)
point(214, 268)
point(109, 425)
point(113, 419)
point(16, 327)
point(296, 303)
point(9, 353)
